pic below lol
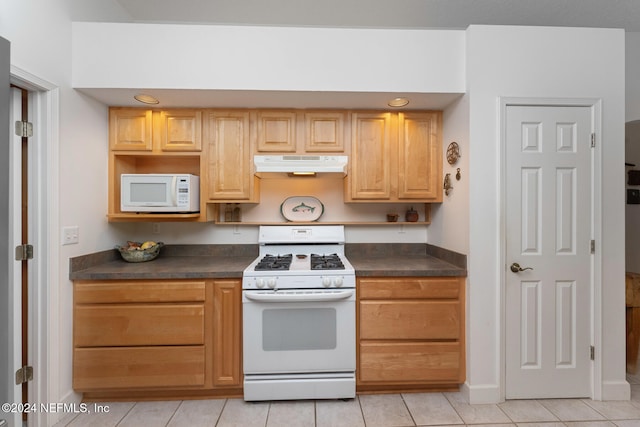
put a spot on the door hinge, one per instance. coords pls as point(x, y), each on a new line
point(592, 353)
point(24, 252)
point(593, 246)
point(593, 140)
point(24, 129)
point(24, 374)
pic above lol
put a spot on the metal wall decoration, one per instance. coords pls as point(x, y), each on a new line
point(453, 153)
point(447, 184)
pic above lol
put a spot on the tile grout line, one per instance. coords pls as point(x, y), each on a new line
point(454, 408)
point(408, 410)
point(364, 420)
point(174, 413)
point(221, 411)
point(126, 413)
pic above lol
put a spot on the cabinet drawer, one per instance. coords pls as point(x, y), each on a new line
point(440, 287)
point(409, 320)
point(138, 324)
point(410, 362)
point(138, 291)
point(112, 368)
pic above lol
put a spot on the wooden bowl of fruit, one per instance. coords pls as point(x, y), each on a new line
point(140, 252)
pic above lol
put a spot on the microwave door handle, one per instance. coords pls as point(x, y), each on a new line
point(301, 297)
point(174, 189)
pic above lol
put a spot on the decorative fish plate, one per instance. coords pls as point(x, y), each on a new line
point(302, 209)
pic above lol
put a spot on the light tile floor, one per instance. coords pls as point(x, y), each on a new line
point(387, 410)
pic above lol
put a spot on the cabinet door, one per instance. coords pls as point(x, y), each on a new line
point(370, 173)
point(276, 131)
point(105, 368)
point(104, 325)
point(324, 132)
point(406, 362)
point(180, 130)
point(230, 171)
point(405, 319)
point(130, 129)
point(227, 370)
point(419, 156)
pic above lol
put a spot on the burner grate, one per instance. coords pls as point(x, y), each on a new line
point(326, 262)
point(274, 262)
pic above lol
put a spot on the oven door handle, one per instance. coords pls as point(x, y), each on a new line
point(299, 297)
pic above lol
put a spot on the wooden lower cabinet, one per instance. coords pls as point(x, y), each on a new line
point(134, 367)
point(172, 337)
point(410, 333)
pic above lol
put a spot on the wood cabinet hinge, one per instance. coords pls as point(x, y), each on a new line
point(24, 252)
point(24, 129)
point(24, 375)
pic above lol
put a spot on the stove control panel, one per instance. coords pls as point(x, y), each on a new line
point(299, 282)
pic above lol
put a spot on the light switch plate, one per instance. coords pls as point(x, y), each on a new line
point(70, 235)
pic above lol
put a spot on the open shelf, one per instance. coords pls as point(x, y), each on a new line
point(153, 217)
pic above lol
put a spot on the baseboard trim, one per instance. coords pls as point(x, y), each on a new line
point(616, 390)
point(481, 394)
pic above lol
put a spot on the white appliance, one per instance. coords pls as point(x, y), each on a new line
point(296, 164)
point(159, 193)
point(299, 321)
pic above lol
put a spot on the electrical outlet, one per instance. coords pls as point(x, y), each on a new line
point(70, 235)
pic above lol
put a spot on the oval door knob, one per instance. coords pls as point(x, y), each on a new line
point(515, 267)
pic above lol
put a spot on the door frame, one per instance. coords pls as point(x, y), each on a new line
point(596, 228)
point(43, 222)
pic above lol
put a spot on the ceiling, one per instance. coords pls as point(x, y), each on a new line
point(457, 14)
point(400, 14)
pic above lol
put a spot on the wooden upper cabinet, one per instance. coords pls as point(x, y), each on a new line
point(180, 130)
point(395, 157)
point(419, 156)
point(130, 129)
point(230, 168)
point(324, 132)
point(276, 131)
point(371, 143)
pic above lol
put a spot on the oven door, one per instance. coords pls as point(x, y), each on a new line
point(299, 331)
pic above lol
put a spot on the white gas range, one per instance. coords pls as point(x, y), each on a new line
point(299, 316)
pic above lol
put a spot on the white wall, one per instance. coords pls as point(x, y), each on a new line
point(541, 62)
point(449, 226)
point(267, 58)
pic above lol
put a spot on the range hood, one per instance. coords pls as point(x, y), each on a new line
point(301, 164)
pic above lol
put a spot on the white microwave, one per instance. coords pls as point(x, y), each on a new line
point(159, 193)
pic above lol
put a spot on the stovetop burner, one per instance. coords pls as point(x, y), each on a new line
point(274, 262)
point(326, 262)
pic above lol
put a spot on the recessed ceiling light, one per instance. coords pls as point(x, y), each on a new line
point(398, 102)
point(146, 99)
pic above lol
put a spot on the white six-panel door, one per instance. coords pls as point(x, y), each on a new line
point(548, 233)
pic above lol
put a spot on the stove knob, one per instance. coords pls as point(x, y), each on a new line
point(271, 282)
point(338, 281)
point(260, 283)
point(326, 282)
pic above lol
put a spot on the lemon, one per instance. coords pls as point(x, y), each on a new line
point(147, 245)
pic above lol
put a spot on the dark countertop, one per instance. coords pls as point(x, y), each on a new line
point(218, 261)
point(404, 266)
